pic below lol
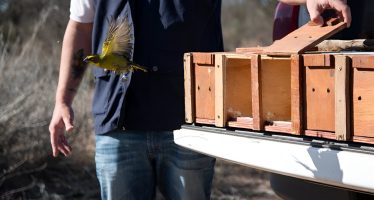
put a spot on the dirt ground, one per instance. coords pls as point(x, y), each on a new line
point(236, 182)
point(63, 179)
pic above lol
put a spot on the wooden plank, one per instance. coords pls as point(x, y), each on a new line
point(342, 105)
point(279, 126)
point(189, 92)
point(367, 140)
point(363, 102)
point(203, 58)
point(303, 38)
point(296, 91)
point(205, 121)
point(242, 122)
point(220, 90)
point(320, 98)
point(320, 134)
point(318, 60)
point(251, 50)
point(258, 123)
point(363, 61)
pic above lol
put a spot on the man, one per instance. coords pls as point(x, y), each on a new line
point(135, 151)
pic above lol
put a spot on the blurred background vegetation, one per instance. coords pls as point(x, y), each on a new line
point(31, 33)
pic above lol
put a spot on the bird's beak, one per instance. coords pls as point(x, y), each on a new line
point(85, 59)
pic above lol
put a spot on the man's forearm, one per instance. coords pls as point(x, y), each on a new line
point(77, 43)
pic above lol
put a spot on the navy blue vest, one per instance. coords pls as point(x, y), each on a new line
point(164, 31)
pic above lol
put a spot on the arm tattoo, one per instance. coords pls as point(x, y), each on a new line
point(79, 66)
point(72, 90)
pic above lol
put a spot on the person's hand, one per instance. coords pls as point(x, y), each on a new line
point(316, 8)
point(62, 120)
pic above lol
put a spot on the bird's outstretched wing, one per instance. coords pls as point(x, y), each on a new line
point(119, 37)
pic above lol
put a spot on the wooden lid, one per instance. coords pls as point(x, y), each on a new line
point(304, 38)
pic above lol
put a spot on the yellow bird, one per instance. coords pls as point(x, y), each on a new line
point(117, 48)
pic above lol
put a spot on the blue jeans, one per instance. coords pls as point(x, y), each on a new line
point(131, 164)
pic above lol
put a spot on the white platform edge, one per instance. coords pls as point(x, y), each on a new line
point(345, 169)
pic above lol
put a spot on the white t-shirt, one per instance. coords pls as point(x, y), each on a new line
point(82, 11)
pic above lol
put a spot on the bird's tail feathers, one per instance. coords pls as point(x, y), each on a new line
point(135, 66)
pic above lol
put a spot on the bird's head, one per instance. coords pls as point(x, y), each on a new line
point(92, 59)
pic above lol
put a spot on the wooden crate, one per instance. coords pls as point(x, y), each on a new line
point(277, 98)
point(276, 93)
point(363, 98)
point(279, 89)
point(326, 96)
point(218, 89)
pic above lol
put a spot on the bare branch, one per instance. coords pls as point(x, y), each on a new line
point(22, 189)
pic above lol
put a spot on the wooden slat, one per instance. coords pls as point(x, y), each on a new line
point(363, 61)
point(220, 90)
point(205, 121)
point(279, 126)
point(296, 105)
point(258, 122)
point(342, 105)
point(242, 122)
point(203, 58)
point(303, 38)
point(250, 50)
point(318, 60)
point(189, 92)
point(368, 140)
point(321, 134)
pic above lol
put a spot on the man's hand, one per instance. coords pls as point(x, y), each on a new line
point(62, 120)
point(316, 8)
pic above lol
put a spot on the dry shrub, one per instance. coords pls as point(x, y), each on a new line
point(29, 63)
point(247, 23)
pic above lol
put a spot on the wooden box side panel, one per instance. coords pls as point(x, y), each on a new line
point(363, 61)
point(297, 70)
point(342, 98)
point(363, 102)
point(276, 89)
point(189, 89)
point(320, 98)
point(238, 88)
point(203, 64)
point(220, 90)
point(257, 120)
